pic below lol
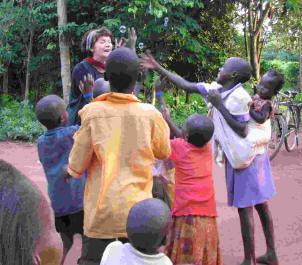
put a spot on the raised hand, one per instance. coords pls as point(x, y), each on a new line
point(160, 83)
point(120, 43)
point(214, 97)
point(86, 86)
point(132, 38)
point(148, 62)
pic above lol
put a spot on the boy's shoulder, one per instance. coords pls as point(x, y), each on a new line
point(60, 132)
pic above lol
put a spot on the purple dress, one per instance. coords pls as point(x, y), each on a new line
point(252, 185)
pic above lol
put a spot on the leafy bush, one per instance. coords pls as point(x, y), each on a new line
point(18, 120)
point(182, 111)
point(290, 70)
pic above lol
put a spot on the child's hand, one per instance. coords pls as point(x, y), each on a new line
point(214, 97)
point(148, 62)
point(86, 86)
point(160, 84)
point(65, 174)
point(166, 113)
point(132, 37)
point(120, 43)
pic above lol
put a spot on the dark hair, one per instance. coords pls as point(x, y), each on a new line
point(122, 68)
point(97, 33)
point(49, 110)
point(100, 87)
point(20, 227)
point(199, 129)
point(278, 80)
point(147, 219)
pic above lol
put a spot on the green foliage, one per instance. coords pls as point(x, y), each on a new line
point(18, 120)
point(290, 70)
point(180, 113)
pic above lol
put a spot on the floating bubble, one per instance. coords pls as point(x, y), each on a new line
point(123, 29)
point(166, 20)
point(141, 45)
point(165, 1)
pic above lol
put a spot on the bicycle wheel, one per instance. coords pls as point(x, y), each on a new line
point(291, 137)
point(277, 137)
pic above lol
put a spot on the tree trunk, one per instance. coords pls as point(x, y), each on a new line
point(29, 55)
point(188, 97)
point(64, 50)
point(5, 81)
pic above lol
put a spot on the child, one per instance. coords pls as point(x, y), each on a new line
point(249, 187)
point(118, 141)
point(194, 235)
point(261, 108)
point(100, 87)
point(28, 235)
point(146, 227)
point(53, 149)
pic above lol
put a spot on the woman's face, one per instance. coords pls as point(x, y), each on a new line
point(102, 48)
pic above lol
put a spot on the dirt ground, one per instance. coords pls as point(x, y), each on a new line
point(285, 206)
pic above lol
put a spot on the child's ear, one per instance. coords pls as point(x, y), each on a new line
point(106, 77)
point(235, 75)
point(64, 118)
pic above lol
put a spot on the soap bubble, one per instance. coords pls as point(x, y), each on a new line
point(141, 45)
point(166, 20)
point(165, 1)
point(123, 29)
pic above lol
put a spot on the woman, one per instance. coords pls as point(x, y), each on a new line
point(98, 44)
point(27, 229)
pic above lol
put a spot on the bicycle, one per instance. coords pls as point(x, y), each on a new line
point(292, 119)
point(285, 127)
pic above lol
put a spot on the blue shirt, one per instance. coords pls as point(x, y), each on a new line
point(54, 147)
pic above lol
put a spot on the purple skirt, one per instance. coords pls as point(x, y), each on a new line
point(252, 185)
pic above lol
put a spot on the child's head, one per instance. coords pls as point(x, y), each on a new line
point(270, 84)
point(147, 225)
point(51, 112)
point(122, 68)
point(100, 87)
point(199, 130)
point(236, 70)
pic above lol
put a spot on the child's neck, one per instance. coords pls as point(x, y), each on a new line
point(229, 85)
point(147, 251)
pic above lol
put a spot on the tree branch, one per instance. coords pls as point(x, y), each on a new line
point(264, 16)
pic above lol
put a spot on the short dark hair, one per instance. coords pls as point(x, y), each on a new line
point(49, 110)
point(148, 219)
point(278, 80)
point(100, 87)
point(242, 67)
point(20, 227)
point(122, 68)
point(199, 129)
point(96, 34)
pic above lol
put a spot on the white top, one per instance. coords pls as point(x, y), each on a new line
point(117, 253)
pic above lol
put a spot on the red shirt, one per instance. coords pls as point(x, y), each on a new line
point(194, 187)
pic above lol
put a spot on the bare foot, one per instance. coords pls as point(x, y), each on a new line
point(269, 258)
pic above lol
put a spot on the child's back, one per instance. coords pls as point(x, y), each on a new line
point(194, 208)
point(54, 147)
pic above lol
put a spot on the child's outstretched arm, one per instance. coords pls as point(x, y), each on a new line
point(261, 116)
point(239, 127)
point(149, 62)
point(173, 128)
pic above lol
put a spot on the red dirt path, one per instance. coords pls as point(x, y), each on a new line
point(285, 207)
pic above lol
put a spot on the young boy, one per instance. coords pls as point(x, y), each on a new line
point(53, 148)
point(147, 225)
point(100, 87)
point(117, 142)
point(249, 187)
